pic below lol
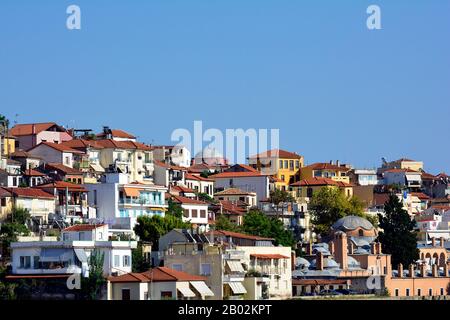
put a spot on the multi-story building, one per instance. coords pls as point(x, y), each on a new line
point(235, 195)
point(363, 177)
point(32, 134)
point(284, 165)
point(303, 190)
point(405, 178)
point(119, 203)
point(175, 155)
point(54, 153)
point(335, 171)
point(200, 184)
point(194, 211)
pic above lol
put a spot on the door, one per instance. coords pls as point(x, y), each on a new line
point(126, 295)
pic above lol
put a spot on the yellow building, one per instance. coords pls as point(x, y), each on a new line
point(303, 190)
point(404, 163)
point(6, 203)
point(332, 171)
point(9, 146)
point(283, 165)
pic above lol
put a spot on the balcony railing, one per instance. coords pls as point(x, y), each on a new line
point(141, 203)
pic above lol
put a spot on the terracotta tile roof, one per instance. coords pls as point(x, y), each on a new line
point(232, 191)
point(428, 176)
point(319, 181)
point(159, 274)
point(62, 185)
point(183, 189)
point(23, 154)
point(33, 173)
point(278, 153)
point(420, 195)
point(229, 207)
point(82, 144)
point(237, 175)
point(60, 167)
point(57, 146)
point(118, 134)
point(237, 235)
point(199, 168)
point(326, 166)
point(83, 227)
point(189, 176)
point(5, 193)
point(128, 145)
point(380, 198)
point(31, 193)
point(185, 200)
point(27, 129)
point(240, 168)
point(268, 256)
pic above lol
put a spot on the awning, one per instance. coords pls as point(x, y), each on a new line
point(235, 266)
point(97, 168)
point(53, 255)
point(186, 292)
point(269, 256)
point(202, 288)
point(131, 192)
point(81, 255)
point(237, 287)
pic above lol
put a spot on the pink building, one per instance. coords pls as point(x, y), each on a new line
point(32, 134)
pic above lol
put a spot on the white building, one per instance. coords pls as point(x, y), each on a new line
point(200, 184)
point(194, 211)
point(54, 153)
point(403, 177)
point(71, 256)
point(364, 177)
point(120, 203)
point(246, 181)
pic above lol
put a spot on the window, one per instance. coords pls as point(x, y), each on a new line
point(194, 213)
point(166, 295)
point(186, 213)
point(14, 182)
point(177, 266)
point(361, 232)
point(126, 261)
point(116, 261)
point(297, 164)
point(3, 202)
point(419, 292)
point(442, 291)
point(407, 292)
point(145, 295)
point(281, 164)
point(396, 292)
point(291, 164)
point(286, 165)
point(36, 262)
point(126, 294)
point(205, 269)
point(202, 213)
point(282, 177)
point(430, 292)
point(25, 262)
point(231, 182)
point(67, 161)
point(242, 199)
point(309, 192)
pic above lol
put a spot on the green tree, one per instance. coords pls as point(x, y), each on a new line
point(175, 209)
point(152, 228)
point(327, 205)
point(139, 264)
point(257, 223)
point(4, 122)
point(397, 235)
point(14, 227)
point(205, 174)
point(223, 223)
point(206, 198)
point(93, 285)
point(7, 290)
point(278, 196)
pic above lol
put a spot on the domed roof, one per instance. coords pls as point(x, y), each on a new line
point(352, 262)
point(302, 262)
point(352, 223)
point(327, 263)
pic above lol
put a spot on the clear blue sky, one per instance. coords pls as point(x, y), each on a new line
point(310, 68)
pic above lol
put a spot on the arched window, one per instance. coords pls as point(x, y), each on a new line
point(442, 260)
point(361, 232)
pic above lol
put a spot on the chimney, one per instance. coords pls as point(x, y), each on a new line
point(350, 247)
point(293, 258)
point(33, 129)
point(319, 261)
point(441, 242)
point(331, 247)
point(434, 271)
point(378, 248)
point(341, 248)
point(411, 271)
point(372, 248)
point(331, 162)
point(433, 241)
point(423, 270)
point(400, 270)
point(337, 163)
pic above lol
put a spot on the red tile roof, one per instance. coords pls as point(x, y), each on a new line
point(169, 166)
point(232, 191)
point(128, 145)
point(402, 170)
point(31, 193)
point(33, 173)
point(278, 153)
point(184, 200)
point(23, 154)
point(27, 129)
point(183, 189)
point(268, 256)
point(319, 181)
point(62, 168)
point(83, 227)
point(5, 193)
point(62, 185)
point(57, 146)
point(189, 176)
point(159, 274)
point(118, 134)
point(420, 195)
point(82, 144)
point(237, 175)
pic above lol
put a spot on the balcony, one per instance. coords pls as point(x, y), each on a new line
point(232, 277)
point(234, 255)
point(138, 202)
